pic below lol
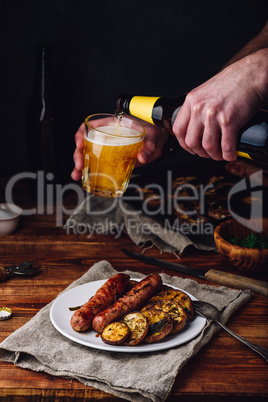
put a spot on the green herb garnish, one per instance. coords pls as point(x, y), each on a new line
point(253, 240)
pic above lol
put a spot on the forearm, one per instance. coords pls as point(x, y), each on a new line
point(260, 41)
point(214, 112)
point(255, 53)
point(259, 60)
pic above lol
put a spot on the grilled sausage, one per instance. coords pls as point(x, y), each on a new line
point(131, 301)
point(110, 291)
point(242, 168)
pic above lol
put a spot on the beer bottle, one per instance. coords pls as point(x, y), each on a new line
point(42, 126)
point(252, 138)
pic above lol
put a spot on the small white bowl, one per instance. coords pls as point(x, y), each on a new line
point(9, 218)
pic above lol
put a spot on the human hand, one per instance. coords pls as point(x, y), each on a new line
point(213, 113)
point(78, 155)
point(154, 140)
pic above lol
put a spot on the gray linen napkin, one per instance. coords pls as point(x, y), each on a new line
point(139, 377)
point(106, 215)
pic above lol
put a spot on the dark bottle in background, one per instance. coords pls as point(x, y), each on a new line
point(252, 139)
point(42, 127)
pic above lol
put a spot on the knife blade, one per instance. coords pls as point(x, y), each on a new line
point(219, 277)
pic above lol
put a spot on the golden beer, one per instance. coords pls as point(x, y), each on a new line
point(110, 154)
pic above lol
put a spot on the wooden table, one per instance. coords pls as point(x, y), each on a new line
point(224, 368)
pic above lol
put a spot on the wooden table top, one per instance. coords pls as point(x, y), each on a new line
point(224, 367)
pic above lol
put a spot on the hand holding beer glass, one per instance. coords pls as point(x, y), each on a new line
point(111, 148)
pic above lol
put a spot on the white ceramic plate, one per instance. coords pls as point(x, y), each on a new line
point(60, 316)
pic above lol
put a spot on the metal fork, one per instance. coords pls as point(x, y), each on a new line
point(211, 312)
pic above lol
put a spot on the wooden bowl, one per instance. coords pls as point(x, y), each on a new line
point(242, 258)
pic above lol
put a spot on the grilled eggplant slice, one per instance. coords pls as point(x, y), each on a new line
point(174, 309)
point(184, 181)
point(219, 210)
point(115, 333)
point(177, 295)
point(160, 325)
point(138, 325)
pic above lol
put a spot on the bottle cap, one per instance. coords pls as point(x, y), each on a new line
point(5, 313)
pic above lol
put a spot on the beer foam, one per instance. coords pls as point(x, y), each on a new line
point(126, 136)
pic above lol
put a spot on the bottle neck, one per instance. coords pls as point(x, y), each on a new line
point(142, 107)
point(165, 111)
point(153, 109)
point(43, 86)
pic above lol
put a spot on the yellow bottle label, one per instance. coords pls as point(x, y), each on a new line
point(142, 106)
point(243, 154)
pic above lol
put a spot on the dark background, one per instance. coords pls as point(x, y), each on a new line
point(106, 47)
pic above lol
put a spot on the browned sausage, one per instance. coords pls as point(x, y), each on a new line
point(131, 301)
point(110, 291)
point(242, 168)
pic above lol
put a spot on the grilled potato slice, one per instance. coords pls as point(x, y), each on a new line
point(160, 325)
point(115, 333)
point(138, 325)
point(174, 309)
point(179, 296)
